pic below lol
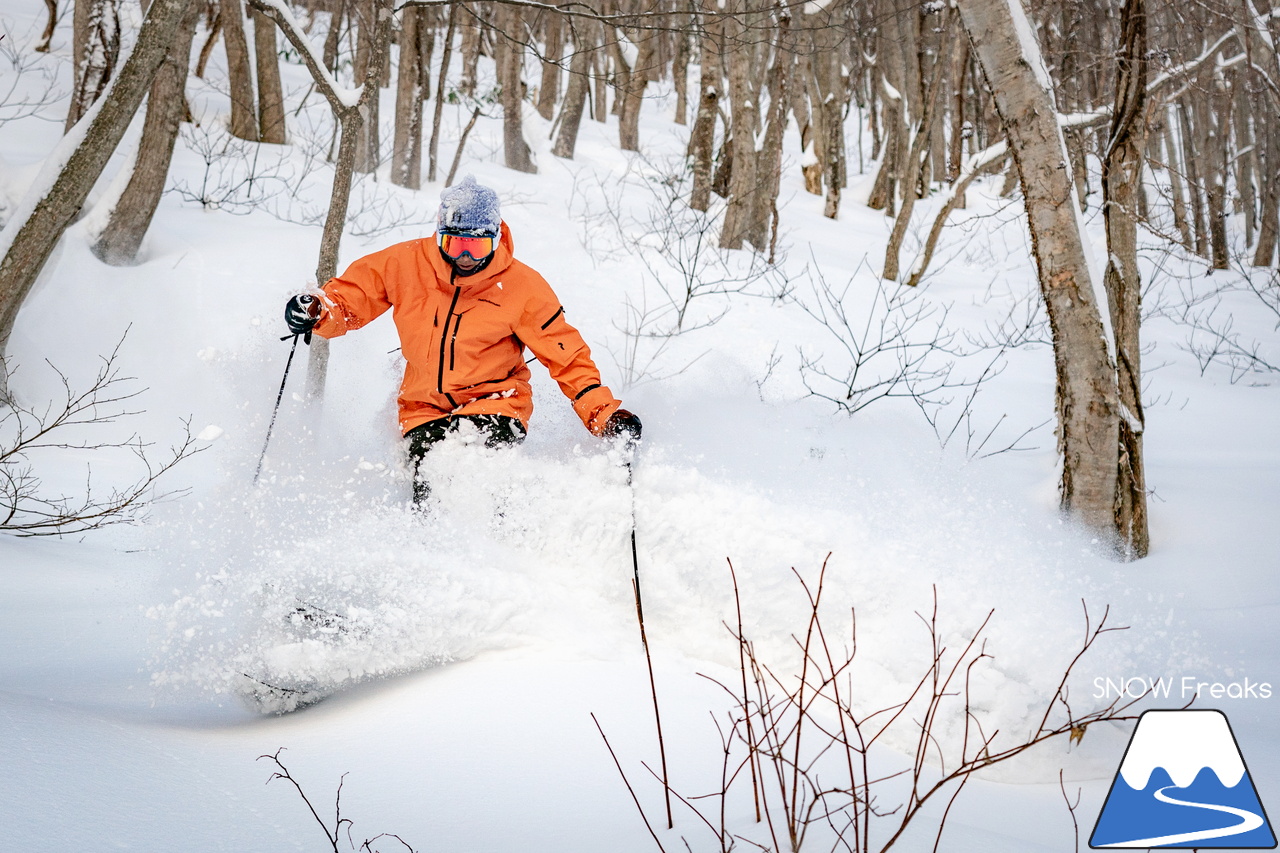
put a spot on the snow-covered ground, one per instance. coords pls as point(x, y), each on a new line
point(480, 638)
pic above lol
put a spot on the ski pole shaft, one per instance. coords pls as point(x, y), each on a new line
point(644, 641)
point(279, 396)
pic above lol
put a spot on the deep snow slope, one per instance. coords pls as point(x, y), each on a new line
point(480, 636)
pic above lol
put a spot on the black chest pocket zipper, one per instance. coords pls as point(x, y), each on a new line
point(453, 341)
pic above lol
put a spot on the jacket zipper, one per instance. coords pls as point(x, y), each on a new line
point(453, 341)
point(444, 339)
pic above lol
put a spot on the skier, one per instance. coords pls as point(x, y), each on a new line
point(465, 310)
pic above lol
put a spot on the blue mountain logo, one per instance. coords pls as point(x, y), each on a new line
point(1183, 783)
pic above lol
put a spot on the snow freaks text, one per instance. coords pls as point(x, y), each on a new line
point(1184, 687)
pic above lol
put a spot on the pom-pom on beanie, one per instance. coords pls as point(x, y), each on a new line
point(469, 208)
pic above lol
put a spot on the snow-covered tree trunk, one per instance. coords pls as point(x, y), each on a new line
point(827, 93)
point(702, 137)
point(744, 113)
point(72, 169)
point(1122, 170)
point(406, 150)
point(131, 213)
point(95, 49)
point(764, 210)
point(909, 171)
point(807, 123)
point(1087, 401)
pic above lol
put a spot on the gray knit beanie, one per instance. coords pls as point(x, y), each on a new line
point(469, 208)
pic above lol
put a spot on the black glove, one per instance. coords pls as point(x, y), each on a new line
point(301, 313)
point(622, 423)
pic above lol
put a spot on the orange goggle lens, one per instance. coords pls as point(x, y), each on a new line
point(457, 245)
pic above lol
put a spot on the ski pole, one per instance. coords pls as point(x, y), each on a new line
point(644, 640)
point(276, 410)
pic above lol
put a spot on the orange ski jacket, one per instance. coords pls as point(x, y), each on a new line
point(463, 338)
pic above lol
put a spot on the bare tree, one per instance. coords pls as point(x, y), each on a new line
point(916, 151)
point(800, 733)
point(27, 507)
point(446, 54)
point(575, 96)
point(349, 108)
point(131, 213)
point(1088, 402)
point(30, 236)
point(342, 826)
point(1122, 170)
point(632, 79)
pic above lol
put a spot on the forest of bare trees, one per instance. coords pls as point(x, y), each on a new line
point(1163, 115)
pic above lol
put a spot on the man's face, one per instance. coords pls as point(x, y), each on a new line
point(466, 263)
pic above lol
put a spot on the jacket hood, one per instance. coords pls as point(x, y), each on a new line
point(503, 257)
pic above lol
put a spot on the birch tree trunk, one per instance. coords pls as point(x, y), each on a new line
point(1194, 189)
point(910, 171)
point(27, 241)
point(1215, 116)
point(702, 138)
point(1173, 165)
point(764, 209)
point(1087, 400)
point(744, 100)
point(1269, 222)
point(680, 70)
point(1122, 170)
point(828, 96)
point(131, 214)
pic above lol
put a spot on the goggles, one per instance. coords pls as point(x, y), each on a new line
point(457, 245)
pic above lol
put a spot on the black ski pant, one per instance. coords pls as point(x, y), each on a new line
point(498, 431)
